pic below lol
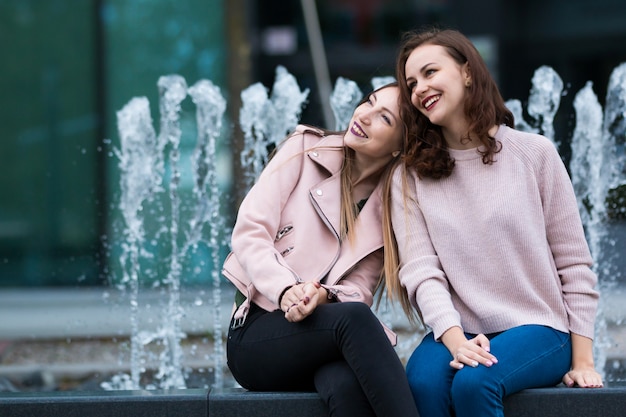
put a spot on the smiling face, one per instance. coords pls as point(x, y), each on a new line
point(375, 130)
point(438, 85)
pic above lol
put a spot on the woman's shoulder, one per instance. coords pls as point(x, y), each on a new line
point(302, 128)
point(529, 144)
point(312, 136)
point(303, 140)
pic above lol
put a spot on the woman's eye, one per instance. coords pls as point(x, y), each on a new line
point(387, 119)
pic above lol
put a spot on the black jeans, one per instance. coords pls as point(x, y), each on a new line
point(340, 350)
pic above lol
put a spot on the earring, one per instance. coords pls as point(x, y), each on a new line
point(395, 153)
point(468, 83)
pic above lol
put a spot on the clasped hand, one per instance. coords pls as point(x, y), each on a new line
point(473, 352)
point(300, 300)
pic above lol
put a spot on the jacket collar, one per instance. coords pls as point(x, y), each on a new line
point(328, 153)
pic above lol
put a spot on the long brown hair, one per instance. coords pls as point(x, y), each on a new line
point(348, 212)
point(484, 106)
point(391, 262)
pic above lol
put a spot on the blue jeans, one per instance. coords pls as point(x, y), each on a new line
point(528, 356)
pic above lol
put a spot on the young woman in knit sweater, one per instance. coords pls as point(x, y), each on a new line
point(490, 244)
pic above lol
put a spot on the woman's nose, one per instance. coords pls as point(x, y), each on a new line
point(418, 90)
point(365, 116)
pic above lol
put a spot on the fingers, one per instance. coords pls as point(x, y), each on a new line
point(482, 341)
point(300, 300)
point(290, 298)
point(474, 352)
point(456, 364)
point(583, 379)
point(567, 380)
point(299, 311)
point(309, 291)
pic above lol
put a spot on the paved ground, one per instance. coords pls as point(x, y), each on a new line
point(76, 339)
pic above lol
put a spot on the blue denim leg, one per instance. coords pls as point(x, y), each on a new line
point(430, 377)
point(528, 357)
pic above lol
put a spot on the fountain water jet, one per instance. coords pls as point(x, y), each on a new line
point(143, 168)
point(266, 120)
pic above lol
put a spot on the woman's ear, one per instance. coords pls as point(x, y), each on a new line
point(467, 76)
point(395, 153)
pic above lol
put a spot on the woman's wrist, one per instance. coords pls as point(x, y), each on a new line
point(280, 297)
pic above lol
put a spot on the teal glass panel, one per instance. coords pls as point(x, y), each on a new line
point(49, 146)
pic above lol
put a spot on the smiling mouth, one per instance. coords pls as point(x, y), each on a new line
point(357, 131)
point(428, 102)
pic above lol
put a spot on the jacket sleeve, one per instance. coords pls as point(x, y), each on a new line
point(258, 220)
point(359, 284)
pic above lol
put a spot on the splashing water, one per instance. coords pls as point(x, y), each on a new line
point(210, 110)
point(172, 91)
point(544, 99)
point(142, 165)
point(265, 121)
point(139, 161)
point(378, 82)
point(344, 98)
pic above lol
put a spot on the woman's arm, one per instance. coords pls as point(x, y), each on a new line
point(583, 372)
point(573, 262)
point(259, 218)
point(421, 272)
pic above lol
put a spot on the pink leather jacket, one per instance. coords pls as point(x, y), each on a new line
point(287, 229)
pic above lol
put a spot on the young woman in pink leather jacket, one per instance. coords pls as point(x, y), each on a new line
point(307, 257)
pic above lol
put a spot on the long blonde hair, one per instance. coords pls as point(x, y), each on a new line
point(391, 262)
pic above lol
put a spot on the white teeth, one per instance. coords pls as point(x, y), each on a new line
point(357, 130)
point(431, 101)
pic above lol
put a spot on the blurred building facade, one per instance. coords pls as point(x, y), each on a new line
point(70, 65)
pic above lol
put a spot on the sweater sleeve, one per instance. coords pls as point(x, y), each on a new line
point(420, 270)
point(567, 242)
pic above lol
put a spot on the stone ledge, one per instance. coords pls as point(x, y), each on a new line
point(242, 403)
point(144, 403)
point(609, 401)
point(546, 402)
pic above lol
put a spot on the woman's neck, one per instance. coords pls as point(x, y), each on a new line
point(458, 139)
point(364, 181)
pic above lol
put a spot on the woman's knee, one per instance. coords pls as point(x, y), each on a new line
point(428, 376)
point(423, 383)
point(473, 383)
point(356, 310)
point(355, 315)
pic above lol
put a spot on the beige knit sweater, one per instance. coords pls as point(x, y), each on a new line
point(496, 246)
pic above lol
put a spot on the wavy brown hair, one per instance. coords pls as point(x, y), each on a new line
point(484, 106)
